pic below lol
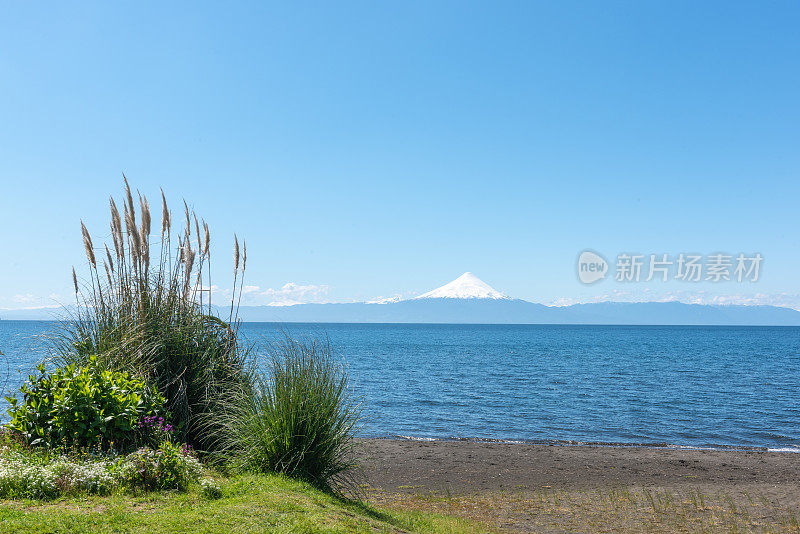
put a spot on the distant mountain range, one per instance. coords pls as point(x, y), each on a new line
point(468, 299)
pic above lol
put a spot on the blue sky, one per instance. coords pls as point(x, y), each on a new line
point(374, 149)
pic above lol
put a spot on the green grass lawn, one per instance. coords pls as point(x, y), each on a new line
point(249, 503)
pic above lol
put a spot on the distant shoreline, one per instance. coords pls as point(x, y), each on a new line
point(599, 444)
point(406, 323)
point(498, 311)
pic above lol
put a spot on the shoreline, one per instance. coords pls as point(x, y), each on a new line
point(790, 449)
point(523, 487)
point(402, 465)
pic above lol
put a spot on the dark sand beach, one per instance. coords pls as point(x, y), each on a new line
point(531, 487)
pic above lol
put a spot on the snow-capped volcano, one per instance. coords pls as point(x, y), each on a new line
point(466, 286)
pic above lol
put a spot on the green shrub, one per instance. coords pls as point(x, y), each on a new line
point(82, 407)
point(153, 318)
point(299, 419)
point(170, 466)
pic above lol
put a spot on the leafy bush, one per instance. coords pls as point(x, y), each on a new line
point(41, 477)
point(153, 317)
point(299, 419)
point(170, 466)
point(82, 407)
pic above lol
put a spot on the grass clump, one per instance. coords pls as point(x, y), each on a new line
point(153, 317)
point(299, 419)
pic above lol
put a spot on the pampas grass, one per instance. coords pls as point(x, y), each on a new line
point(149, 318)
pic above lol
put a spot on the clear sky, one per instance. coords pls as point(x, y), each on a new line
point(374, 149)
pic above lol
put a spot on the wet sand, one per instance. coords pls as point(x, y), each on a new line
point(519, 487)
point(467, 467)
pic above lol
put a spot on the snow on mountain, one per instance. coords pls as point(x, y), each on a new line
point(466, 286)
point(384, 300)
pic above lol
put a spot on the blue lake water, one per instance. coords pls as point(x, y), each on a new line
point(685, 386)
